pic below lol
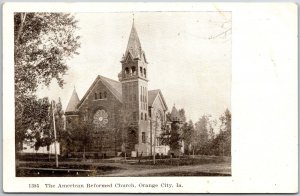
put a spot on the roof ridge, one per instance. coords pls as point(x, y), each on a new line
point(112, 88)
point(109, 78)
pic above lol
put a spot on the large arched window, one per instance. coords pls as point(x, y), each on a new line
point(100, 95)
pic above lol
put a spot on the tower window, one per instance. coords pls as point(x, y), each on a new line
point(141, 71)
point(143, 137)
point(145, 72)
point(142, 94)
point(133, 70)
point(105, 94)
point(141, 116)
point(126, 70)
point(96, 97)
point(145, 116)
point(100, 97)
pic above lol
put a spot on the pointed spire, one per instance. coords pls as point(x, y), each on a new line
point(134, 45)
point(133, 18)
point(175, 114)
point(74, 100)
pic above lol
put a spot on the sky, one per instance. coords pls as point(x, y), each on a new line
point(189, 55)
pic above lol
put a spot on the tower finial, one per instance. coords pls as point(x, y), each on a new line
point(133, 17)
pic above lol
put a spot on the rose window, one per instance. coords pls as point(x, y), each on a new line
point(100, 118)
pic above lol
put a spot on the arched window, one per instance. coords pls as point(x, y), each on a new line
point(145, 72)
point(133, 70)
point(145, 116)
point(100, 96)
point(141, 71)
point(126, 71)
point(142, 116)
point(143, 94)
point(105, 94)
point(96, 96)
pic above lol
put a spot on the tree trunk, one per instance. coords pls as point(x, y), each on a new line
point(22, 18)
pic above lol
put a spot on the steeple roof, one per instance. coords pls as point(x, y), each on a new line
point(134, 45)
point(175, 114)
point(74, 100)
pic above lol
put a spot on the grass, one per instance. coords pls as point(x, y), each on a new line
point(96, 168)
point(66, 170)
point(186, 161)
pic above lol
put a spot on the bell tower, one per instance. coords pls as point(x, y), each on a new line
point(135, 86)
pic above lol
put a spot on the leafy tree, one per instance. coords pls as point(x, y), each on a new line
point(34, 123)
point(188, 134)
point(201, 137)
point(221, 145)
point(129, 130)
point(211, 126)
point(171, 137)
point(175, 138)
point(182, 114)
point(79, 133)
point(38, 119)
point(43, 42)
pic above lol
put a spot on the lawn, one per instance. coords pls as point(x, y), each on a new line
point(187, 166)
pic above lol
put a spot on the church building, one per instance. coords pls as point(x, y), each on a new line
point(123, 115)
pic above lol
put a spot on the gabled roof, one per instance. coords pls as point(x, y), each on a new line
point(114, 86)
point(152, 95)
point(74, 100)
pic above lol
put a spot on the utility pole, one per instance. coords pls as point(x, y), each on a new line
point(155, 139)
point(151, 140)
point(54, 129)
